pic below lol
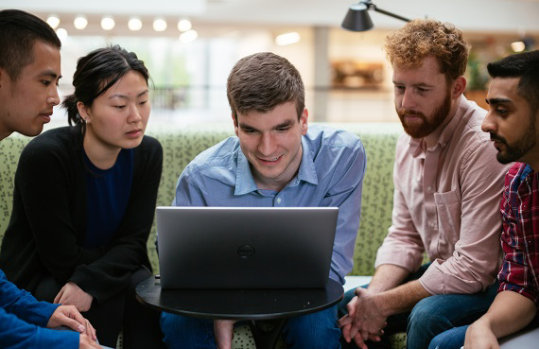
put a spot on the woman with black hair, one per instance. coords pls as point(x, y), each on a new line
point(84, 202)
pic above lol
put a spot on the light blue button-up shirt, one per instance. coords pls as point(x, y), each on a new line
point(330, 175)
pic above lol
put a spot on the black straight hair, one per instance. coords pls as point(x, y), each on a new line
point(96, 73)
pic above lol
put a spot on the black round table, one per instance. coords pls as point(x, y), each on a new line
point(241, 304)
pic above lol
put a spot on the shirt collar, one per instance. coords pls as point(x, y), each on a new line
point(245, 182)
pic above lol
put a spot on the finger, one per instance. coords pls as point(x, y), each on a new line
point(360, 342)
point(59, 296)
point(345, 320)
point(351, 306)
point(364, 334)
point(72, 323)
point(354, 329)
point(90, 331)
point(74, 314)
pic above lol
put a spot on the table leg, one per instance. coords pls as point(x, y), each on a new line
point(266, 333)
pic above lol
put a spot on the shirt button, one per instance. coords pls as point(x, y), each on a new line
point(278, 200)
point(429, 188)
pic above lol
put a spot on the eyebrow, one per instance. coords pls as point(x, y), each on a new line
point(497, 100)
point(283, 124)
point(50, 73)
point(118, 95)
point(420, 84)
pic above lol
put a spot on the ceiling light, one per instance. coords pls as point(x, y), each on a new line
point(53, 21)
point(62, 34)
point(134, 24)
point(188, 36)
point(287, 38)
point(80, 22)
point(159, 25)
point(518, 46)
point(184, 25)
point(107, 23)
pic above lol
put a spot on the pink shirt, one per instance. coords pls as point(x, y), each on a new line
point(447, 193)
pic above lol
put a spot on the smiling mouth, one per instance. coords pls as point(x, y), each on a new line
point(271, 159)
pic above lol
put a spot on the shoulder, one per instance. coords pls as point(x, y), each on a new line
point(150, 145)
point(322, 138)
point(59, 144)
point(516, 174)
point(221, 155)
point(55, 138)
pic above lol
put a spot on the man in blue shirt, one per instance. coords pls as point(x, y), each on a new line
point(29, 74)
point(275, 160)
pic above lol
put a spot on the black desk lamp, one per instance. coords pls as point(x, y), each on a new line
point(357, 19)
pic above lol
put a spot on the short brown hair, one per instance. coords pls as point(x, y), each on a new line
point(262, 81)
point(420, 38)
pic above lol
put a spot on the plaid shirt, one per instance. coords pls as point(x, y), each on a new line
point(520, 236)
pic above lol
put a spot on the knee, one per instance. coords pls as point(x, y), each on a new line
point(182, 331)
point(426, 315)
point(451, 339)
point(318, 330)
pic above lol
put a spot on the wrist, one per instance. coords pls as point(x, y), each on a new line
point(382, 302)
point(483, 323)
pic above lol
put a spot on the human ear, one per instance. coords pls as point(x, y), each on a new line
point(84, 112)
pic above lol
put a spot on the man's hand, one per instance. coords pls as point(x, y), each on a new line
point(71, 294)
point(69, 316)
point(223, 331)
point(87, 343)
point(364, 320)
point(480, 336)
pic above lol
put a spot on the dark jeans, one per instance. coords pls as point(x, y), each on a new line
point(431, 315)
point(312, 331)
point(139, 323)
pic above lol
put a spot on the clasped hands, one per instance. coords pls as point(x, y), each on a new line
point(74, 300)
point(364, 321)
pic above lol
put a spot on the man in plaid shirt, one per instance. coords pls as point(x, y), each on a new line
point(513, 124)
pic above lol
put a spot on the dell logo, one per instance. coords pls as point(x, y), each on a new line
point(245, 251)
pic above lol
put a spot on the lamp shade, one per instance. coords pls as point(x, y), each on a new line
point(357, 19)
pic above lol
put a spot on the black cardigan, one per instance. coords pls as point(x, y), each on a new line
point(48, 221)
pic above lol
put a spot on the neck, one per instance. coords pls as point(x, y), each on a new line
point(101, 156)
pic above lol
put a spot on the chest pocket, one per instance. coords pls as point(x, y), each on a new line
point(448, 208)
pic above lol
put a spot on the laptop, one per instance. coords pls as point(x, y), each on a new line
point(245, 247)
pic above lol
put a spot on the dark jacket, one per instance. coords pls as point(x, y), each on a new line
point(48, 223)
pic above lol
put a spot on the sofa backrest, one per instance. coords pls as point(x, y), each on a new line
point(180, 146)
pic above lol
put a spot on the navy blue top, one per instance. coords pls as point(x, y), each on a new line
point(107, 196)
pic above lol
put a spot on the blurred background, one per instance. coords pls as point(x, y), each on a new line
point(189, 47)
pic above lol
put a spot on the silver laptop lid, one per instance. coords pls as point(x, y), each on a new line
point(245, 247)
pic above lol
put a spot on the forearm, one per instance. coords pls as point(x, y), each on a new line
point(509, 313)
point(401, 299)
point(387, 277)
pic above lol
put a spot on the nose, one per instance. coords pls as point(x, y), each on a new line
point(266, 145)
point(134, 114)
point(54, 98)
point(488, 124)
point(407, 100)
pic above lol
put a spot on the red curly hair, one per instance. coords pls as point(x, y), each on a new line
point(420, 38)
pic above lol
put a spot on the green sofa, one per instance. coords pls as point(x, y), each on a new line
point(182, 144)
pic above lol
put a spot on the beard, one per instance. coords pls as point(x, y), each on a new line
point(515, 152)
point(427, 126)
